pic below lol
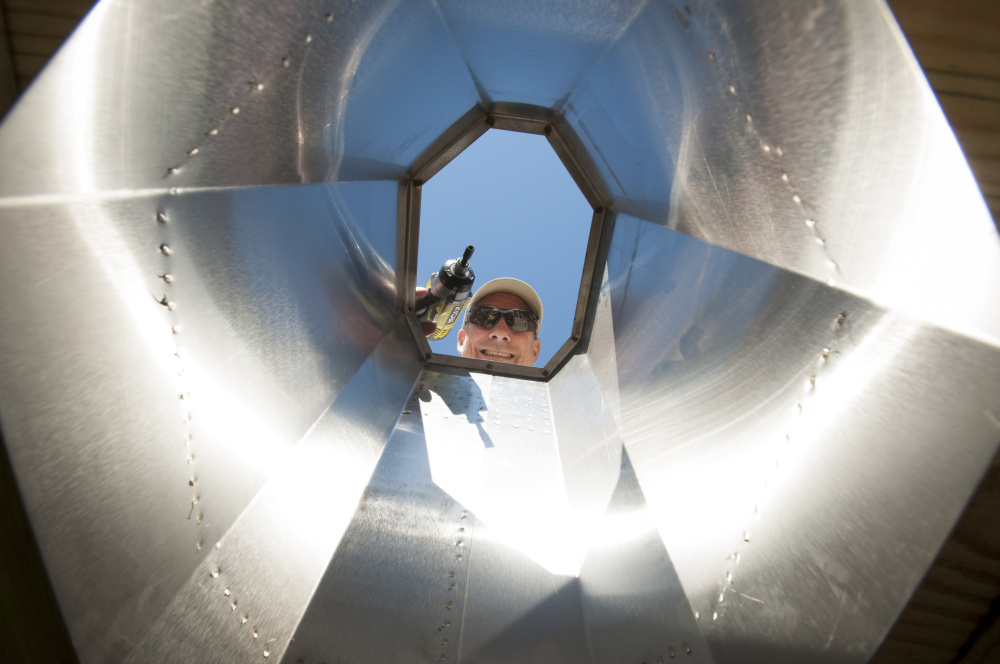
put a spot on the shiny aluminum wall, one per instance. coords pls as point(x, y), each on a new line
point(227, 444)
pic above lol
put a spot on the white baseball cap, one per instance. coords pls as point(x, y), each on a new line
point(514, 287)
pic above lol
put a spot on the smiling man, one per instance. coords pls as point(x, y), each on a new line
point(502, 323)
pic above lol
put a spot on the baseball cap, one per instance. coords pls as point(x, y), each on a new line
point(514, 287)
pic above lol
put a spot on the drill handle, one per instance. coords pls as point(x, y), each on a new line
point(421, 306)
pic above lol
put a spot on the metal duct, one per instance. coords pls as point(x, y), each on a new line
point(223, 432)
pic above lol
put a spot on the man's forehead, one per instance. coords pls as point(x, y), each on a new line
point(505, 301)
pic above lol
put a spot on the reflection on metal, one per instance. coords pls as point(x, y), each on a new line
point(510, 117)
point(228, 443)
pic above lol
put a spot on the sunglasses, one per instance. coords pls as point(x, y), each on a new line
point(518, 320)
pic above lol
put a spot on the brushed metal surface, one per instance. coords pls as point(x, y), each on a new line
point(248, 594)
point(151, 428)
point(789, 387)
point(817, 450)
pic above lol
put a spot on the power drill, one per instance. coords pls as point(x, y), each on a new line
point(449, 291)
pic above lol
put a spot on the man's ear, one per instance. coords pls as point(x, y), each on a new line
point(536, 347)
point(461, 340)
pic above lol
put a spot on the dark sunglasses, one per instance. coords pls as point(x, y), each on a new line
point(518, 320)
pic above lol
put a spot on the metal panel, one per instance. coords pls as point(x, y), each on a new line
point(819, 446)
point(783, 134)
point(148, 392)
point(230, 94)
point(789, 386)
point(530, 52)
point(244, 597)
point(635, 607)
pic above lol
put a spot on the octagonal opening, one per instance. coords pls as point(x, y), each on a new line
point(509, 196)
point(511, 185)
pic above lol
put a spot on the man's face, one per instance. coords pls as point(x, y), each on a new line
point(499, 343)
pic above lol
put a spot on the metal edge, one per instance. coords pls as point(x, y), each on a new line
point(408, 229)
point(402, 244)
point(582, 318)
point(590, 263)
point(563, 141)
point(493, 368)
point(523, 118)
point(462, 134)
point(408, 232)
point(520, 125)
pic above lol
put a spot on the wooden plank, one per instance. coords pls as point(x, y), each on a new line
point(42, 25)
point(8, 79)
point(904, 653)
point(963, 84)
point(978, 142)
point(958, 36)
point(971, 112)
point(993, 202)
point(956, 58)
point(987, 172)
point(31, 45)
point(27, 66)
point(73, 8)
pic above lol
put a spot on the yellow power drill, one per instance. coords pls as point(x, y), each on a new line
point(449, 290)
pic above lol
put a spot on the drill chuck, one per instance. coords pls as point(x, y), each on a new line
point(449, 290)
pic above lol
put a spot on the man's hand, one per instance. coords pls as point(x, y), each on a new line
point(426, 327)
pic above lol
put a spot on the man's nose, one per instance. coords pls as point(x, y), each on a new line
point(500, 330)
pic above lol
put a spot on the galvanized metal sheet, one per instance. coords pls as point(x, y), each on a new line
point(788, 387)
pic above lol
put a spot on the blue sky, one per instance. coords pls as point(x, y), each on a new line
point(510, 196)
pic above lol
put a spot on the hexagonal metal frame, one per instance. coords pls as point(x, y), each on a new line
point(510, 117)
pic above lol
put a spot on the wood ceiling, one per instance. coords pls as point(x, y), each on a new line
point(953, 617)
